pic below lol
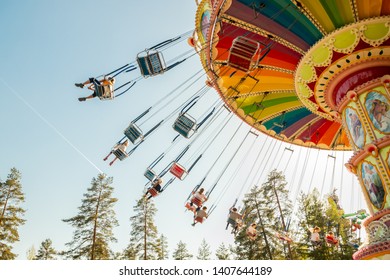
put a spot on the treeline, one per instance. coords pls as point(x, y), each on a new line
point(268, 206)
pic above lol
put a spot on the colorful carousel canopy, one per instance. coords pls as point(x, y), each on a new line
point(283, 85)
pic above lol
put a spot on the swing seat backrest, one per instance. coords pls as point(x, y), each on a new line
point(104, 92)
point(244, 54)
point(178, 171)
point(134, 133)
point(120, 154)
point(196, 201)
point(153, 192)
point(185, 125)
point(150, 174)
point(151, 63)
point(331, 240)
point(199, 219)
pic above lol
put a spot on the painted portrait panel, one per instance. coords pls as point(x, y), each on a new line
point(355, 127)
point(377, 106)
point(204, 23)
point(373, 184)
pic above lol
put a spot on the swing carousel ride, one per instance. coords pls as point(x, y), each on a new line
point(313, 73)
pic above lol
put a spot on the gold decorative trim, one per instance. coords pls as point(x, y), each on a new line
point(258, 93)
point(341, 64)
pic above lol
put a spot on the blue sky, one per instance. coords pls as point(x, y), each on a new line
point(58, 143)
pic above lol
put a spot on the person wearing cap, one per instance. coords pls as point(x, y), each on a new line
point(155, 189)
point(120, 146)
point(92, 82)
point(315, 236)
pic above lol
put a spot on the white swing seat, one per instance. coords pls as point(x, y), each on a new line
point(104, 92)
point(150, 174)
point(178, 171)
point(120, 154)
point(185, 125)
point(134, 133)
point(244, 54)
point(151, 63)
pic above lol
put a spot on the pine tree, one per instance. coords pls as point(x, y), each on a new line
point(204, 252)
point(268, 206)
point(11, 196)
point(276, 211)
point(246, 249)
point(31, 253)
point(162, 248)
point(129, 253)
point(94, 223)
point(181, 252)
point(117, 256)
point(311, 213)
point(46, 251)
point(223, 252)
point(143, 236)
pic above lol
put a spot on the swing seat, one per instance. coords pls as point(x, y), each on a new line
point(196, 201)
point(178, 171)
point(355, 227)
point(104, 92)
point(153, 192)
point(190, 207)
point(243, 54)
point(149, 174)
point(331, 240)
point(232, 222)
point(120, 154)
point(134, 133)
point(199, 219)
point(185, 125)
point(151, 63)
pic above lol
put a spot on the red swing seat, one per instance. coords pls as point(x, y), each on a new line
point(243, 54)
point(331, 240)
point(178, 171)
point(190, 207)
point(196, 201)
point(153, 192)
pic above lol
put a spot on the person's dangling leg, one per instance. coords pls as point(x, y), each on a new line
point(110, 153)
point(113, 161)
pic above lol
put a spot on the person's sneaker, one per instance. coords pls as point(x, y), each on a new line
point(82, 99)
point(79, 85)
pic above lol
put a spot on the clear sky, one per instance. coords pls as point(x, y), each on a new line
point(58, 143)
